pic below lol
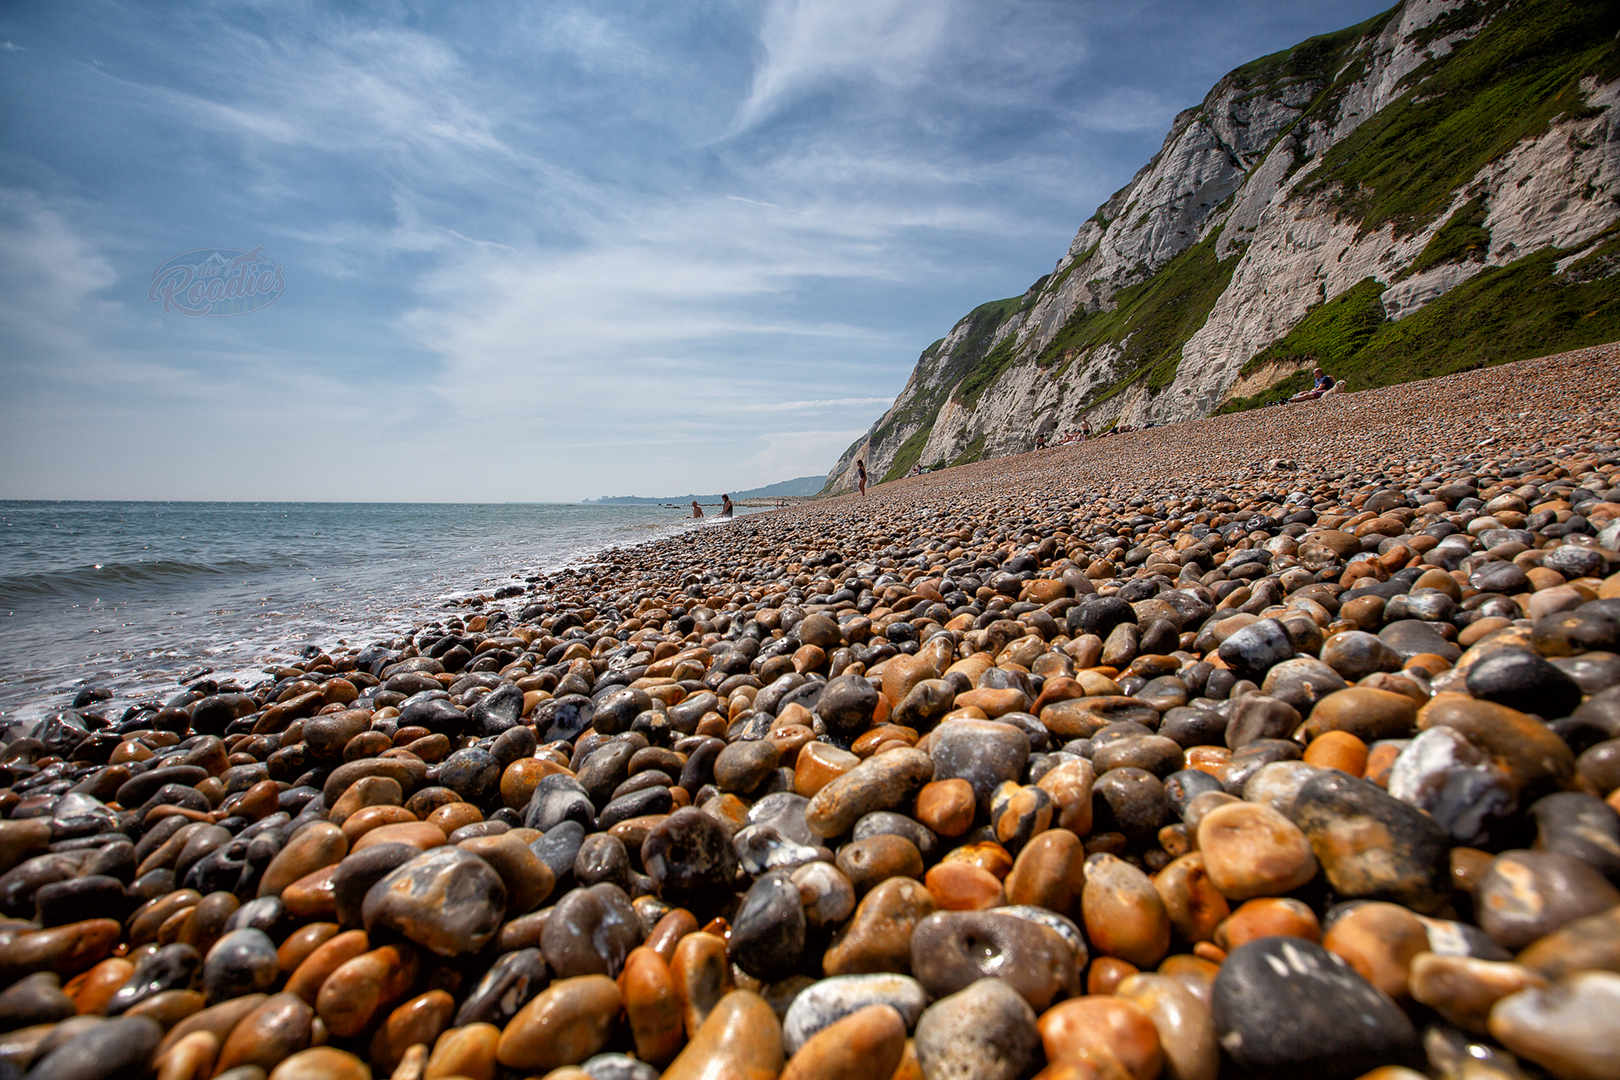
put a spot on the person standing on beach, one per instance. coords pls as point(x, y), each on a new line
point(725, 506)
point(697, 511)
point(860, 475)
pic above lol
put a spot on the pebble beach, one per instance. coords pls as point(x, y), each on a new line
point(1280, 744)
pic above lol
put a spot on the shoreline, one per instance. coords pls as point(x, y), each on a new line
point(1077, 753)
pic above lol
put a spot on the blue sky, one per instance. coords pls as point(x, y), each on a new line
point(544, 251)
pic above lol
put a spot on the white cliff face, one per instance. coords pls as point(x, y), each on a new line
point(1240, 167)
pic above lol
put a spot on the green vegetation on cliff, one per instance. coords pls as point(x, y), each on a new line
point(1501, 314)
point(1467, 108)
point(1151, 320)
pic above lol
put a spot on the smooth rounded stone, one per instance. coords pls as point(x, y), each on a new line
point(559, 848)
point(602, 857)
point(702, 975)
point(1592, 942)
point(1302, 682)
point(846, 706)
point(868, 1044)
point(87, 897)
point(1256, 648)
point(1180, 788)
point(528, 880)
point(653, 1005)
point(768, 931)
point(1050, 872)
point(828, 1001)
point(1413, 637)
point(1130, 801)
point(1581, 826)
point(420, 1020)
point(826, 895)
point(740, 1040)
point(111, 1049)
point(1462, 989)
point(1252, 850)
point(743, 766)
point(952, 949)
point(321, 1063)
point(1283, 1008)
point(278, 1028)
point(263, 913)
point(1105, 1032)
point(445, 900)
point(1372, 846)
point(924, 704)
point(241, 962)
point(1191, 901)
point(1185, 1027)
point(465, 1051)
point(1521, 680)
point(1593, 672)
point(1070, 784)
point(1151, 753)
point(984, 753)
point(1366, 712)
point(1260, 716)
point(590, 932)
point(1526, 895)
point(34, 999)
point(889, 823)
point(1018, 812)
point(1568, 1029)
point(565, 1024)
point(1380, 941)
point(961, 886)
point(689, 856)
point(881, 782)
point(511, 983)
point(878, 938)
point(172, 967)
point(760, 848)
point(784, 811)
point(357, 873)
point(1355, 654)
point(1277, 785)
point(1124, 915)
point(362, 989)
point(558, 798)
point(985, 1032)
point(877, 858)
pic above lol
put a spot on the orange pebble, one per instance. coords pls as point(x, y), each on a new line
point(1208, 950)
point(1268, 916)
point(1338, 750)
point(1429, 662)
point(1108, 972)
point(963, 886)
point(947, 806)
point(1380, 759)
point(1208, 759)
point(987, 854)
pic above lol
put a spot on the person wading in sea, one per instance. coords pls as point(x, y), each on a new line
point(697, 511)
point(725, 506)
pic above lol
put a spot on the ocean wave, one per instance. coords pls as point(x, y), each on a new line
point(121, 580)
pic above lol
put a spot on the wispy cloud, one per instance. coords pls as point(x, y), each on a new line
point(541, 250)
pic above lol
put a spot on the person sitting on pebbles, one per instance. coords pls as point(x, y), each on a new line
point(1324, 384)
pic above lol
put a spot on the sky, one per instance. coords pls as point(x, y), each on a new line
point(543, 251)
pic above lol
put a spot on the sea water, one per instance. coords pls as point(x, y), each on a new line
point(141, 597)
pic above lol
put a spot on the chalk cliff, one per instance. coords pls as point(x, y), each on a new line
point(1435, 189)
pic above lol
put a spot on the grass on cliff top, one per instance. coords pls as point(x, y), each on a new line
point(907, 455)
point(1151, 320)
point(1314, 58)
point(1466, 109)
point(1502, 314)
